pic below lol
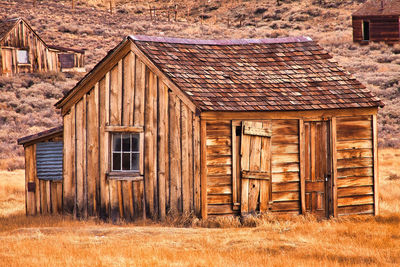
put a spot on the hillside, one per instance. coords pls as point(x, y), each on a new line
point(26, 101)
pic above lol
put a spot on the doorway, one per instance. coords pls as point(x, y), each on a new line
point(365, 30)
point(318, 178)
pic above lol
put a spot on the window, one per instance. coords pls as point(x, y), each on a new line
point(365, 30)
point(22, 57)
point(125, 152)
point(66, 61)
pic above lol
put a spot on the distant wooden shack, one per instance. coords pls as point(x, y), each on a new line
point(22, 50)
point(377, 21)
point(214, 128)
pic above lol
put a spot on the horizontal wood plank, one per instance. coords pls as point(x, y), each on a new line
point(220, 209)
point(354, 144)
point(354, 162)
point(285, 196)
point(354, 191)
point(355, 200)
point(284, 187)
point(355, 181)
point(220, 190)
point(367, 171)
point(354, 153)
point(219, 199)
point(357, 209)
point(283, 177)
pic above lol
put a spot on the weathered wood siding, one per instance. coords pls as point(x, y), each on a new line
point(355, 165)
point(285, 166)
point(219, 167)
point(41, 58)
point(45, 197)
point(381, 28)
point(130, 95)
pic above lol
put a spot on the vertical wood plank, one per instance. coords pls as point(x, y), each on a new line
point(53, 195)
point(85, 154)
point(175, 153)
point(190, 159)
point(235, 154)
point(120, 199)
point(104, 146)
point(30, 173)
point(68, 162)
point(302, 160)
point(150, 133)
point(59, 197)
point(128, 89)
point(140, 86)
point(197, 160)
point(92, 151)
point(203, 151)
point(127, 199)
point(79, 160)
point(244, 203)
point(43, 196)
point(115, 95)
point(185, 191)
point(376, 171)
point(334, 166)
point(154, 89)
point(114, 203)
point(162, 147)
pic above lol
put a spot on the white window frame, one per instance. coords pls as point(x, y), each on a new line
point(131, 152)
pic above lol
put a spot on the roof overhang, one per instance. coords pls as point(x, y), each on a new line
point(41, 136)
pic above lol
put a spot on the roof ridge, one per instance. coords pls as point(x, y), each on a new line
point(146, 38)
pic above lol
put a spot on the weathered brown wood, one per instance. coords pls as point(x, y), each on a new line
point(220, 189)
point(285, 167)
point(203, 166)
point(219, 199)
point(284, 187)
point(354, 181)
point(285, 177)
point(219, 160)
point(218, 141)
point(354, 153)
point(43, 197)
point(355, 200)
point(375, 168)
point(124, 129)
point(175, 153)
point(59, 197)
point(219, 209)
point(30, 173)
point(334, 165)
point(197, 165)
point(104, 146)
point(92, 133)
point(355, 191)
point(140, 75)
point(357, 209)
point(355, 162)
point(138, 195)
point(232, 160)
point(125, 197)
point(284, 148)
point(162, 154)
point(80, 156)
point(354, 144)
point(128, 88)
point(53, 196)
point(114, 203)
point(285, 196)
point(219, 150)
point(302, 148)
point(150, 166)
point(185, 159)
point(116, 95)
point(366, 171)
point(69, 162)
point(120, 199)
point(286, 206)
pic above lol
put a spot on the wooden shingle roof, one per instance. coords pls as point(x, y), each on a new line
point(374, 8)
point(256, 74)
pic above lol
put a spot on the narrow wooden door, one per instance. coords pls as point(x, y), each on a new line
point(318, 184)
point(255, 166)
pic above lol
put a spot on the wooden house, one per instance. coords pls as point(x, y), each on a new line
point(22, 50)
point(377, 21)
point(228, 127)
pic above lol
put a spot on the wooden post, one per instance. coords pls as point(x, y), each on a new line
point(302, 166)
point(73, 4)
point(203, 174)
point(334, 166)
point(111, 6)
point(376, 173)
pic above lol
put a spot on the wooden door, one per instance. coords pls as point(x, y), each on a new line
point(318, 182)
point(255, 166)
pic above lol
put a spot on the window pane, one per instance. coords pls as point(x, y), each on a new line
point(116, 162)
point(135, 161)
point(135, 142)
point(22, 56)
point(116, 142)
point(126, 145)
point(126, 159)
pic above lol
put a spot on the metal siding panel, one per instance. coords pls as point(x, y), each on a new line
point(49, 160)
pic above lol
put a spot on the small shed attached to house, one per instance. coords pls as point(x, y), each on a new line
point(377, 21)
point(22, 50)
point(218, 127)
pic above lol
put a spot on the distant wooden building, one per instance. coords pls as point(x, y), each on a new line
point(377, 21)
point(22, 50)
point(215, 128)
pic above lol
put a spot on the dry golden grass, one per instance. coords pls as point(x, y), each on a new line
point(291, 241)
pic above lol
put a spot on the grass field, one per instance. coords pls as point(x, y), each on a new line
point(298, 241)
